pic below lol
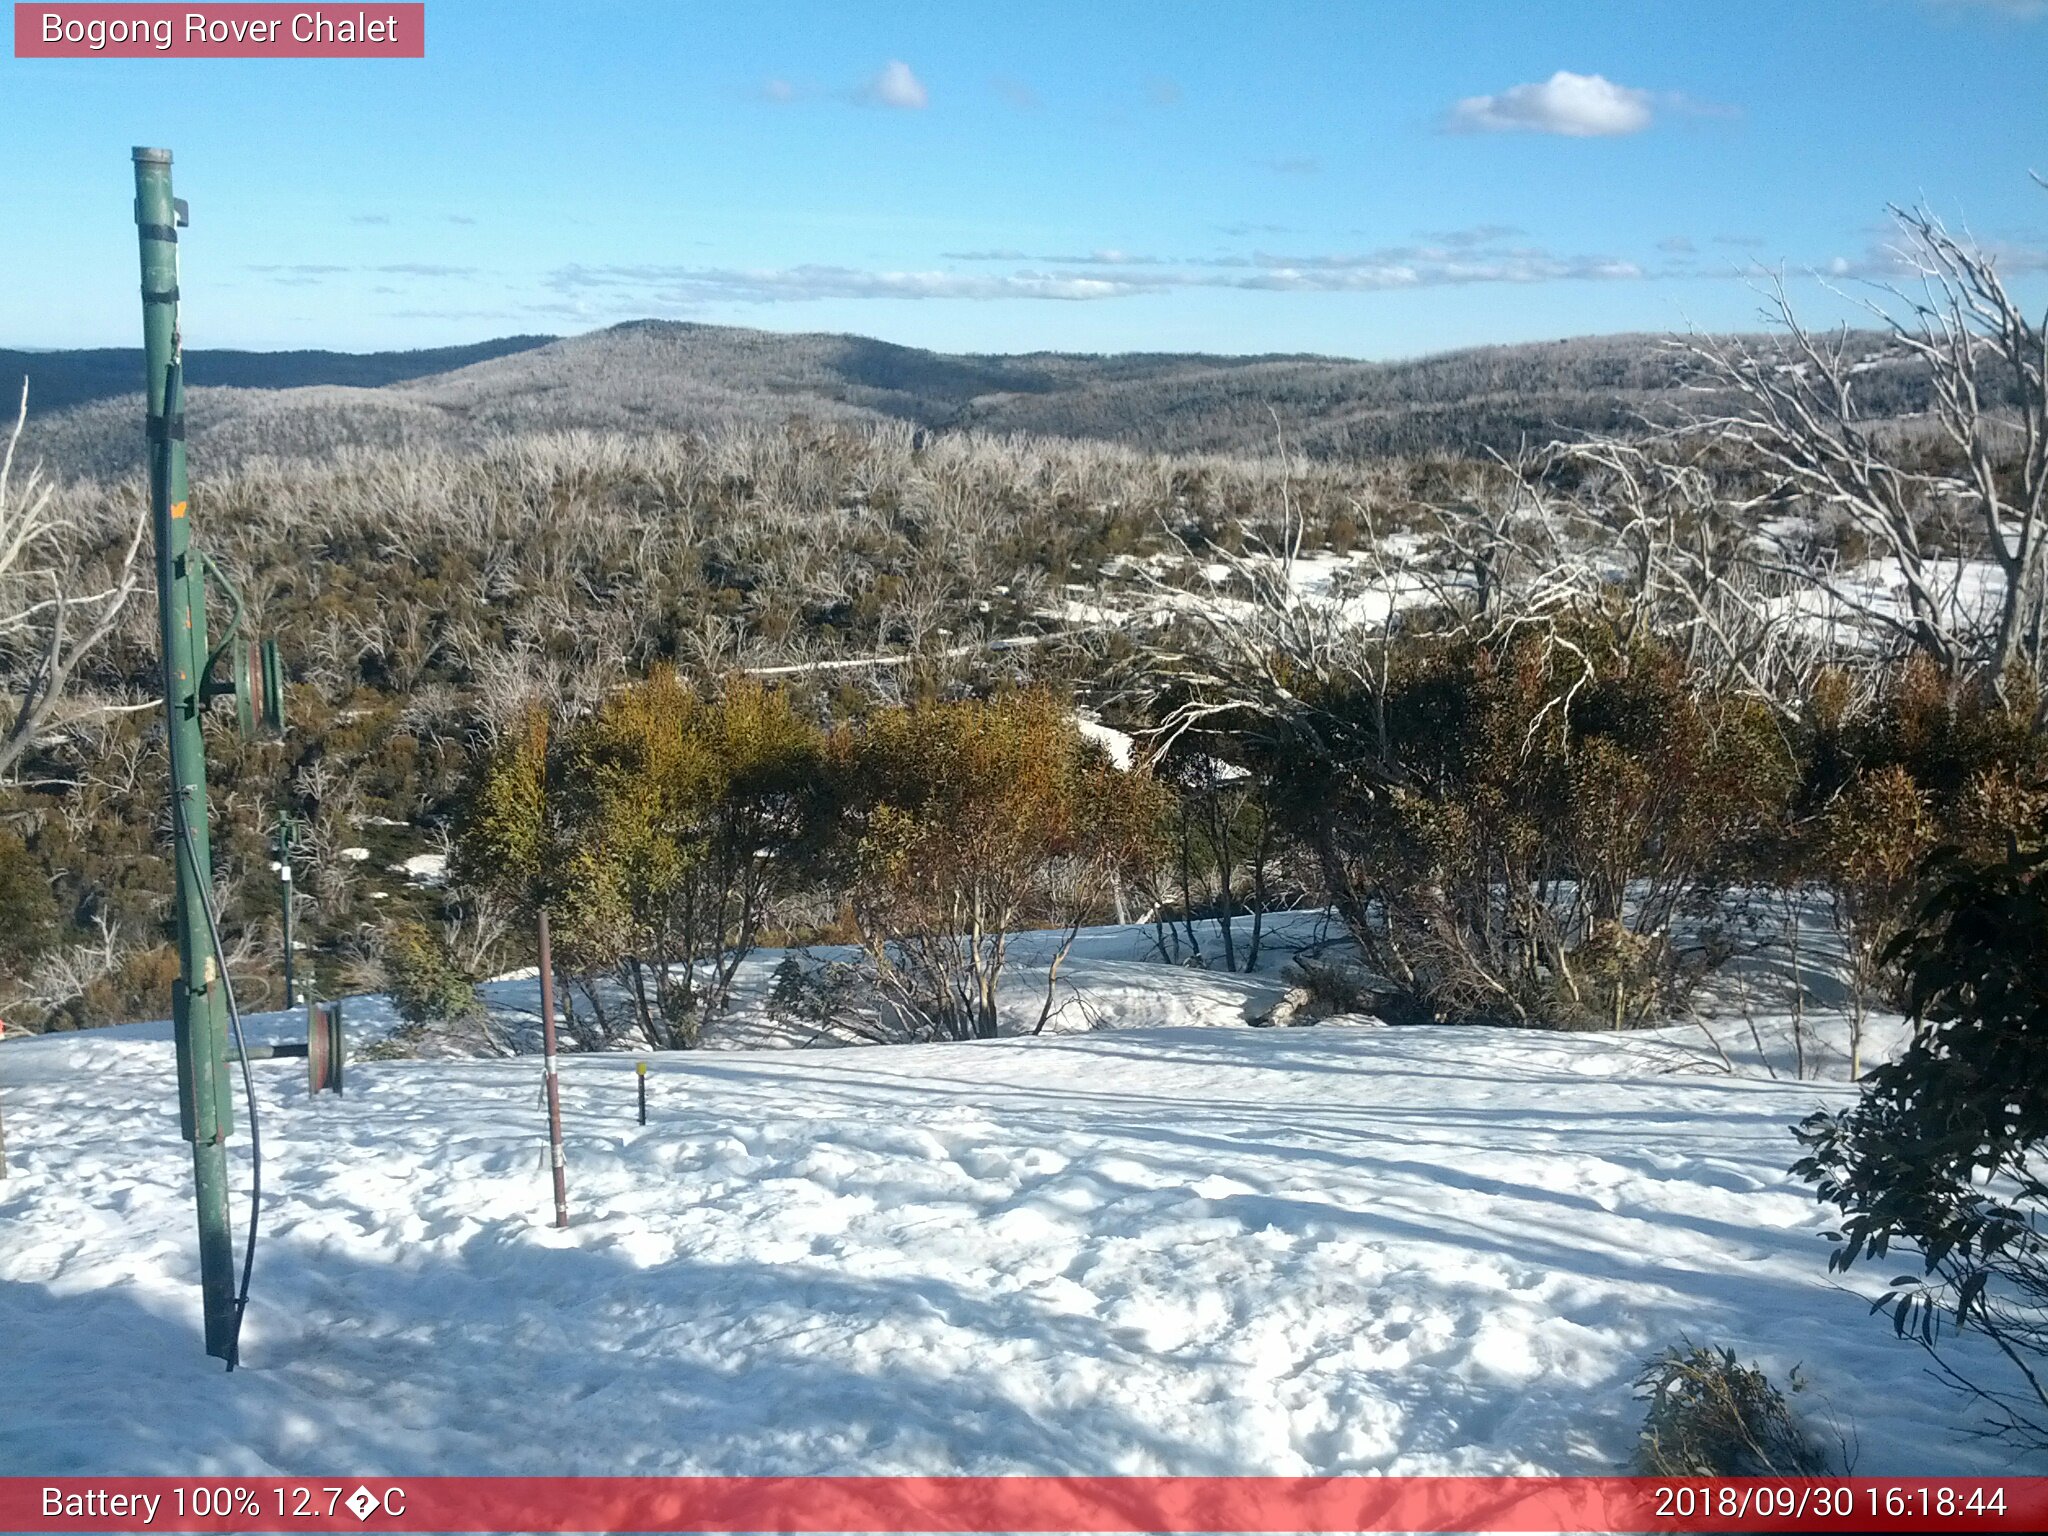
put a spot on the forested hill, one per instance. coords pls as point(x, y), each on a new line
point(663, 374)
point(63, 379)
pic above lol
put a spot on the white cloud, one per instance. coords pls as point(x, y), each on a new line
point(1886, 263)
point(1476, 234)
point(768, 285)
point(1576, 106)
point(1106, 258)
point(1420, 268)
point(425, 269)
point(653, 288)
point(896, 86)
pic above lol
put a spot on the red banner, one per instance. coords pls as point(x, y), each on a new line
point(119, 31)
point(1027, 1504)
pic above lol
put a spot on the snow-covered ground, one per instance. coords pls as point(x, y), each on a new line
point(1871, 598)
point(1114, 977)
point(1141, 1250)
point(1861, 608)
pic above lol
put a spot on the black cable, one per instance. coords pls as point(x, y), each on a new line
point(203, 881)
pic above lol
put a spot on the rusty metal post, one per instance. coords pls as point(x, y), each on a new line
point(551, 1067)
point(323, 1047)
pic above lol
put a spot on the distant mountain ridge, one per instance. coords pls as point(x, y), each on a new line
point(62, 379)
point(680, 376)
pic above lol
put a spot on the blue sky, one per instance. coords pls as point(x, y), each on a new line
point(1377, 178)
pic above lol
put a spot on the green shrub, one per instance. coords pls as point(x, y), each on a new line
point(1532, 829)
point(829, 994)
point(968, 821)
point(425, 983)
point(1942, 1154)
point(1711, 1416)
point(28, 913)
point(402, 1044)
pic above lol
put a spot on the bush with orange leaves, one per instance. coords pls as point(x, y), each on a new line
point(967, 823)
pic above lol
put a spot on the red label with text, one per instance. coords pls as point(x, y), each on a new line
point(104, 31)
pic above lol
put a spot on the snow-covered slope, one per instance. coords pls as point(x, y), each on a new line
point(1191, 1250)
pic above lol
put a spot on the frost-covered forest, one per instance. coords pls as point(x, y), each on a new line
point(1556, 732)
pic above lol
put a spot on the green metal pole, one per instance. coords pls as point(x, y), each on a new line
point(198, 1007)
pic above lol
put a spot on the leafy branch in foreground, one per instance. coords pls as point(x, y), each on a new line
point(1942, 1154)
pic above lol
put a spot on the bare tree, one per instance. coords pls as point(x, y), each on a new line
point(53, 607)
point(1983, 360)
point(1682, 561)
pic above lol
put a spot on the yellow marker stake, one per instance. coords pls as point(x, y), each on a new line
point(641, 1068)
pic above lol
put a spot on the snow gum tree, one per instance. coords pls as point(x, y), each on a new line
point(686, 819)
point(659, 830)
point(1804, 414)
point(967, 822)
point(1531, 827)
point(1926, 761)
point(1224, 849)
